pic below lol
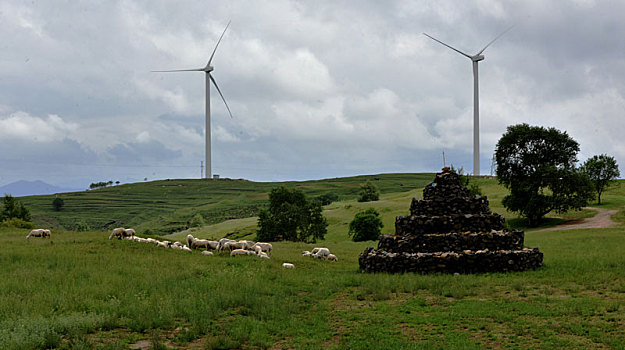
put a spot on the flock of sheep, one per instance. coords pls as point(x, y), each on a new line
point(236, 248)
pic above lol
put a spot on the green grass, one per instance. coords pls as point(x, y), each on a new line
point(82, 290)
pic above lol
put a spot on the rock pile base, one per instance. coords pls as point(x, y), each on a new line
point(450, 232)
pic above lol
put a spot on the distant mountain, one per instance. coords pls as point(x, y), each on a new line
point(31, 188)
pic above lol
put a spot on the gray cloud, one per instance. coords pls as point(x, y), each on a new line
point(318, 89)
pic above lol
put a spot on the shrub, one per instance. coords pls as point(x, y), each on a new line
point(197, 220)
point(58, 203)
point(17, 223)
point(327, 198)
point(368, 192)
point(366, 226)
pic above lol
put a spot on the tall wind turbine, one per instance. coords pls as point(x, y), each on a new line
point(207, 70)
point(476, 101)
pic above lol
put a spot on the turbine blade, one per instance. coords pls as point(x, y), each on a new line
point(218, 41)
point(492, 41)
point(179, 70)
point(220, 94)
point(440, 42)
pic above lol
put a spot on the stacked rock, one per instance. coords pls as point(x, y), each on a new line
point(448, 231)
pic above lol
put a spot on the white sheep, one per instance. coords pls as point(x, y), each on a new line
point(264, 247)
point(176, 246)
point(232, 245)
point(222, 244)
point(206, 252)
point(35, 233)
point(129, 232)
point(46, 233)
point(240, 252)
point(306, 253)
point(321, 253)
point(332, 257)
point(262, 255)
point(288, 265)
point(248, 245)
point(118, 232)
point(186, 249)
point(164, 244)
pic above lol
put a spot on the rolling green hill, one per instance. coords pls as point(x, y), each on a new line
point(166, 206)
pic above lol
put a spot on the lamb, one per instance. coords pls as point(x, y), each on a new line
point(262, 255)
point(263, 247)
point(118, 232)
point(288, 265)
point(237, 252)
point(186, 249)
point(332, 257)
point(36, 233)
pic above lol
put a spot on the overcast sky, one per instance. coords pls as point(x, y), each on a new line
point(318, 89)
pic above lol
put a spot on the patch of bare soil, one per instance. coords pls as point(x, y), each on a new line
point(601, 220)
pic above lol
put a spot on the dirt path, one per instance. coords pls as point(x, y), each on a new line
point(601, 220)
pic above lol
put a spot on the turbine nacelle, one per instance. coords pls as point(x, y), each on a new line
point(477, 58)
point(208, 69)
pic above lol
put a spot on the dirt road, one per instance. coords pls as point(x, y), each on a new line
point(601, 220)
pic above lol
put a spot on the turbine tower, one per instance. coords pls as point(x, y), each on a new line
point(209, 78)
point(476, 101)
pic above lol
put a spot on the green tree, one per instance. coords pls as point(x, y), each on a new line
point(12, 208)
point(366, 226)
point(602, 170)
point(537, 165)
point(291, 217)
point(197, 220)
point(58, 203)
point(368, 192)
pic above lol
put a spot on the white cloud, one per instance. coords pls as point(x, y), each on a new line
point(21, 125)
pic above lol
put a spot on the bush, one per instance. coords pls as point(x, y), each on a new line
point(366, 226)
point(327, 198)
point(17, 223)
point(12, 208)
point(197, 220)
point(368, 192)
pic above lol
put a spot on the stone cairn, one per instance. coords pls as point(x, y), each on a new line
point(450, 232)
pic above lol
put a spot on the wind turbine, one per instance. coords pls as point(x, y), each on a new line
point(207, 70)
point(476, 101)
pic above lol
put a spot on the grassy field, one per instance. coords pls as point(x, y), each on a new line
point(81, 291)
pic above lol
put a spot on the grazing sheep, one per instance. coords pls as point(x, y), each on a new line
point(150, 240)
point(129, 232)
point(332, 257)
point(306, 253)
point(190, 240)
point(263, 255)
point(222, 244)
point(186, 249)
point(118, 232)
point(248, 245)
point(240, 252)
point(36, 233)
point(176, 246)
point(232, 245)
point(46, 233)
point(288, 265)
point(264, 247)
point(164, 244)
point(200, 243)
point(206, 252)
point(321, 253)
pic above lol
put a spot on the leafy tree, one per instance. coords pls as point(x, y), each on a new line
point(58, 203)
point(12, 208)
point(601, 169)
point(366, 226)
point(291, 217)
point(368, 192)
point(537, 165)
